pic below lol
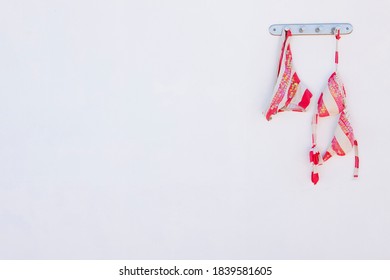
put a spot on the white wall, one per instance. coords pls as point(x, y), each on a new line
point(133, 129)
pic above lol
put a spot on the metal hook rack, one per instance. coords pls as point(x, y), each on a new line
point(311, 28)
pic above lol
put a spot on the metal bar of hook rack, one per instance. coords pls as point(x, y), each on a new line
point(311, 28)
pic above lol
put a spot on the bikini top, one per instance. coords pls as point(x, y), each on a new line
point(290, 94)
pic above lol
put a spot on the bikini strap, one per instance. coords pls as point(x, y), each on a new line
point(356, 171)
point(314, 154)
point(336, 57)
point(286, 42)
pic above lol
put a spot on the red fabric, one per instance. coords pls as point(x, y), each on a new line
point(327, 156)
point(314, 177)
point(305, 99)
point(322, 110)
point(316, 158)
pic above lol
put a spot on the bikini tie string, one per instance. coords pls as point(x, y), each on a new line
point(315, 160)
point(356, 171)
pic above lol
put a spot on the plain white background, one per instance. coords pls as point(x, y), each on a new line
point(134, 129)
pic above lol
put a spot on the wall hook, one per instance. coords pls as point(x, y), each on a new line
point(311, 28)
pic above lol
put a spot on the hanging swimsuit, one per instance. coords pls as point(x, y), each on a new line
point(331, 102)
point(290, 94)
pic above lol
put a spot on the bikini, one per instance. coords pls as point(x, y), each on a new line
point(290, 94)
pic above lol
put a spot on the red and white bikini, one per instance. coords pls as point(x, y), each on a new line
point(290, 94)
